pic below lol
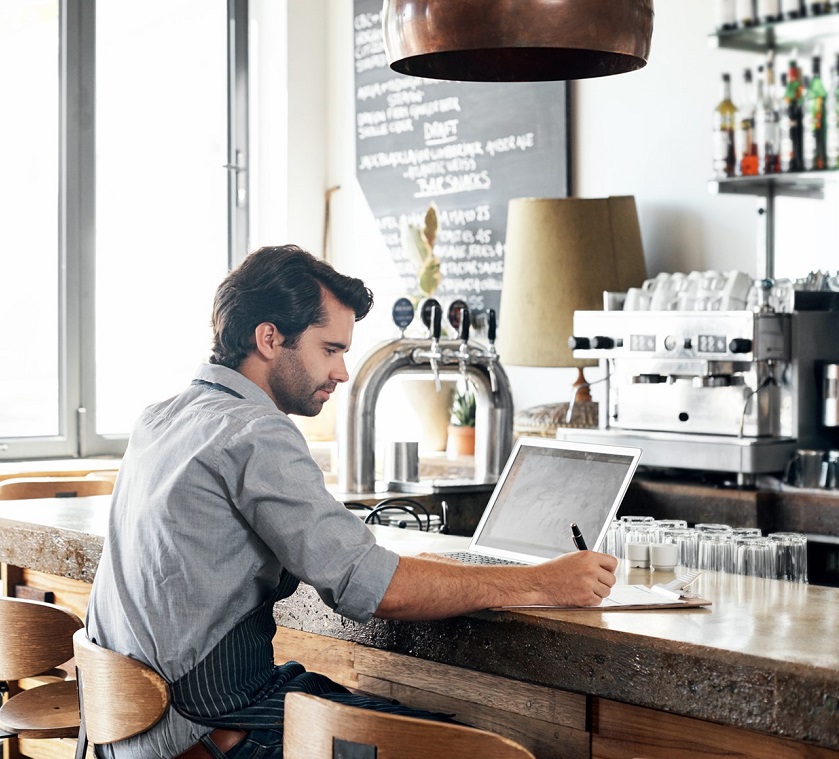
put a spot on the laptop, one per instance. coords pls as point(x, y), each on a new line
point(546, 485)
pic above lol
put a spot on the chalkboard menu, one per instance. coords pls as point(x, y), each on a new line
point(467, 146)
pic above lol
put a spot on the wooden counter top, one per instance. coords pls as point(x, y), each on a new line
point(763, 657)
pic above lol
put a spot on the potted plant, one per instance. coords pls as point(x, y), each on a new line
point(461, 439)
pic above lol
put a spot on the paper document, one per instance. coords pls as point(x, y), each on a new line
point(631, 597)
point(636, 595)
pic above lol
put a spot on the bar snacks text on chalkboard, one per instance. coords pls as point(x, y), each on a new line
point(467, 146)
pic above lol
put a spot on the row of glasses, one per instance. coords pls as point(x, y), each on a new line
point(716, 547)
point(637, 529)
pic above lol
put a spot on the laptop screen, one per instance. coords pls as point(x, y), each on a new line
point(547, 485)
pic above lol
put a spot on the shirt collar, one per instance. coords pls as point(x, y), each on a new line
point(235, 381)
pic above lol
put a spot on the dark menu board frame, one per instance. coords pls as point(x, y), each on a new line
point(467, 146)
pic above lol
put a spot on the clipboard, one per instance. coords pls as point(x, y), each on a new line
point(627, 598)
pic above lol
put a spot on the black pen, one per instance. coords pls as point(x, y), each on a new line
point(578, 538)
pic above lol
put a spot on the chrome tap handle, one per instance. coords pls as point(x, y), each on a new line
point(493, 356)
point(436, 324)
point(493, 382)
point(465, 323)
point(463, 334)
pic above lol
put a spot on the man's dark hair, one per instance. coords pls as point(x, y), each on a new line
point(281, 285)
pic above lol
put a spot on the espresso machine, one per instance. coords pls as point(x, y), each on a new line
point(734, 391)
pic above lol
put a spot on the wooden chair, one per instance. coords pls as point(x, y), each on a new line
point(54, 487)
point(120, 697)
point(35, 638)
point(315, 728)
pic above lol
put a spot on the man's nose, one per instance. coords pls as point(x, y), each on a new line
point(340, 373)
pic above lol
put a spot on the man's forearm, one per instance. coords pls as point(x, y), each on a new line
point(429, 589)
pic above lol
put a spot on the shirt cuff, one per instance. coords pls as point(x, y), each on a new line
point(370, 580)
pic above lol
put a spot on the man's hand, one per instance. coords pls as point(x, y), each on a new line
point(434, 587)
point(582, 578)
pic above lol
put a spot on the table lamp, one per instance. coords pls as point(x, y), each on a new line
point(561, 255)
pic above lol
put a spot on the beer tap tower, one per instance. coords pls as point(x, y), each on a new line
point(428, 358)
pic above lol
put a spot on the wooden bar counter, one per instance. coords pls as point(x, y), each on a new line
point(754, 675)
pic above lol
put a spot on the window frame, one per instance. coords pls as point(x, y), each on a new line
point(76, 251)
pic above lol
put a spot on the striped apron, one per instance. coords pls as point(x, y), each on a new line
point(238, 686)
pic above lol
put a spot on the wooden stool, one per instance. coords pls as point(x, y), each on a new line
point(120, 697)
point(312, 725)
point(54, 487)
point(35, 638)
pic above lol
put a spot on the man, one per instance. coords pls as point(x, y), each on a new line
point(219, 511)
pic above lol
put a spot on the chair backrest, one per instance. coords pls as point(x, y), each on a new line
point(310, 724)
point(34, 637)
point(119, 696)
point(54, 487)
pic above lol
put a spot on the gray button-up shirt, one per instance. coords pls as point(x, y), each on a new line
point(215, 496)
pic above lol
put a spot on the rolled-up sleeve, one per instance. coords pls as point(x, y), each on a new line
point(278, 488)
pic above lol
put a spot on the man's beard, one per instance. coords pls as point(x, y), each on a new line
point(294, 389)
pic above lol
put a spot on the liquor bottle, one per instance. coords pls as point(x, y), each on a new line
point(768, 11)
point(815, 121)
point(766, 121)
point(783, 129)
point(792, 133)
point(746, 13)
point(725, 15)
point(818, 8)
point(747, 159)
point(832, 112)
point(792, 8)
point(725, 118)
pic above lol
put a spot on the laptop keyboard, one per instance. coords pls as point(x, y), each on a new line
point(476, 558)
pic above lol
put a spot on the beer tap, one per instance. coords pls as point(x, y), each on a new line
point(492, 354)
point(432, 317)
point(463, 334)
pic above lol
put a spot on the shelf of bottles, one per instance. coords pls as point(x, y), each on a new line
point(782, 136)
point(783, 36)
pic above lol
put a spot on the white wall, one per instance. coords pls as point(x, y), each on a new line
point(647, 134)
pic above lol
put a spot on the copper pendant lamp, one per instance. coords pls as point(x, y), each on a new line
point(517, 40)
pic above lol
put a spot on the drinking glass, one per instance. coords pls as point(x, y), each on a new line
point(746, 532)
point(628, 522)
point(703, 527)
point(685, 539)
point(614, 543)
point(645, 532)
point(716, 551)
point(791, 554)
point(756, 557)
point(668, 524)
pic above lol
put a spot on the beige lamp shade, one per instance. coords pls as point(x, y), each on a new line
point(561, 254)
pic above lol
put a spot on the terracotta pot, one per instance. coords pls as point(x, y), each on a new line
point(461, 441)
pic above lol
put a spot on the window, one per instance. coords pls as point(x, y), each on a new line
point(29, 264)
point(123, 213)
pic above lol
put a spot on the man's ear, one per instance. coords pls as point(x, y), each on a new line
point(268, 339)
